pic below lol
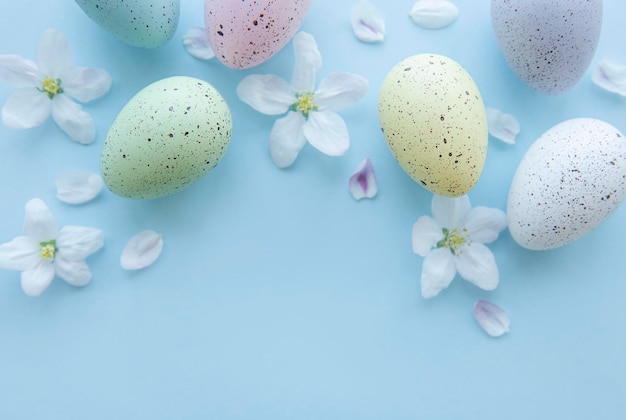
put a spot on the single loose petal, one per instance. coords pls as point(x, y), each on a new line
point(426, 233)
point(368, 24)
point(327, 132)
point(73, 120)
point(363, 183)
point(308, 62)
point(484, 224)
point(502, 126)
point(610, 76)
point(340, 90)
point(450, 212)
point(266, 93)
point(77, 242)
point(477, 265)
point(77, 187)
point(76, 273)
point(142, 250)
point(53, 54)
point(36, 280)
point(437, 272)
point(287, 139)
point(85, 83)
point(196, 42)
point(19, 71)
point(491, 318)
point(26, 108)
point(22, 253)
point(39, 223)
point(433, 14)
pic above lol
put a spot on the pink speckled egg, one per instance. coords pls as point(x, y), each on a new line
point(245, 33)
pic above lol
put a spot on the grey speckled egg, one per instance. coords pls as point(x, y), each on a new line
point(548, 43)
point(141, 23)
point(435, 123)
point(570, 180)
point(166, 137)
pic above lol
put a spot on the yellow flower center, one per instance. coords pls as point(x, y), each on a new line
point(51, 87)
point(304, 103)
point(454, 240)
point(48, 250)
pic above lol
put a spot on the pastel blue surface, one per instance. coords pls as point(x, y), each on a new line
point(278, 296)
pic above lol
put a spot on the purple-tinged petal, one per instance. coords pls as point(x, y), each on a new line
point(610, 76)
point(196, 42)
point(142, 250)
point(502, 126)
point(492, 318)
point(434, 14)
point(78, 187)
point(438, 271)
point(450, 212)
point(363, 181)
point(367, 22)
point(36, 280)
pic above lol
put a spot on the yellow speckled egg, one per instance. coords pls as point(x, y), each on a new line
point(166, 137)
point(435, 124)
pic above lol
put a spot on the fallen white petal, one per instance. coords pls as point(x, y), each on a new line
point(196, 41)
point(142, 250)
point(610, 76)
point(368, 23)
point(433, 14)
point(502, 126)
point(77, 187)
point(492, 318)
point(363, 181)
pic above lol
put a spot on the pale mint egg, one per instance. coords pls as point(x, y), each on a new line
point(141, 23)
point(166, 137)
point(435, 123)
point(570, 180)
point(547, 43)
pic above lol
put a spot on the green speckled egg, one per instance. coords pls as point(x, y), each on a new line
point(166, 137)
point(435, 124)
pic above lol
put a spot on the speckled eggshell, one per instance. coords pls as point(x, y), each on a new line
point(547, 43)
point(166, 137)
point(569, 181)
point(245, 33)
point(435, 124)
point(141, 23)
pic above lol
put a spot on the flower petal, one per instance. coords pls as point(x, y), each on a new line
point(142, 250)
point(426, 233)
point(610, 76)
point(367, 22)
point(26, 108)
point(53, 53)
point(433, 14)
point(287, 139)
point(477, 265)
point(85, 83)
point(437, 272)
point(502, 126)
point(77, 187)
point(39, 223)
point(308, 62)
point(76, 273)
point(450, 212)
point(491, 318)
point(77, 243)
point(327, 132)
point(267, 94)
point(484, 224)
point(36, 280)
point(73, 120)
point(340, 90)
point(363, 183)
point(196, 42)
point(19, 71)
point(22, 253)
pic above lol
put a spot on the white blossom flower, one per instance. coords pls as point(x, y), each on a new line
point(196, 42)
point(45, 250)
point(48, 86)
point(453, 240)
point(310, 115)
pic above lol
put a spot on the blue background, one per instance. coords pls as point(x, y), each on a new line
point(278, 296)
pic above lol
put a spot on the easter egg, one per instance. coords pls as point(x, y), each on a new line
point(141, 23)
point(547, 43)
point(569, 181)
point(166, 137)
point(435, 124)
point(244, 34)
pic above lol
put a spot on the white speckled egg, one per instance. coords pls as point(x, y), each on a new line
point(434, 121)
point(548, 43)
point(568, 182)
point(244, 34)
point(166, 137)
point(141, 23)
